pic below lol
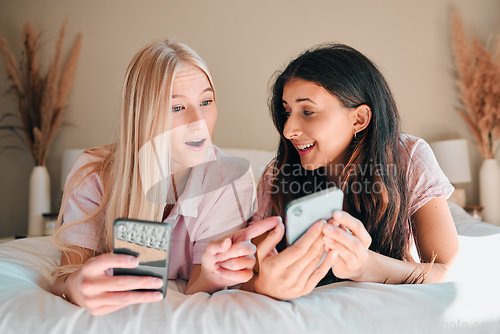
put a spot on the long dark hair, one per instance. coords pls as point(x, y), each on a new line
point(374, 179)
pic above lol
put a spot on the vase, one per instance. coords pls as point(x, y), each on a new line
point(39, 200)
point(489, 191)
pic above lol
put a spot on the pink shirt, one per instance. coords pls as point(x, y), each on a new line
point(425, 179)
point(208, 209)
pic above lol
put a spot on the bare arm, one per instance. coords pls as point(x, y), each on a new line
point(436, 237)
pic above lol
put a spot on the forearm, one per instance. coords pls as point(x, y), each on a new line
point(383, 269)
point(199, 283)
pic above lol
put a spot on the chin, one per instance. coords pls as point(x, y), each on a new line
point(311, 166)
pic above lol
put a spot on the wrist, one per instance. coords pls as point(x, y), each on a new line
point(365, 273)
point(204, 282)
point(61, 287)
point(259, 286)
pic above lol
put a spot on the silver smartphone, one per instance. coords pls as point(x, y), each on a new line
point(149, 242)
point(301, 213)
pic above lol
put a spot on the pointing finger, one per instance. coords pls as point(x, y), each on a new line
point(257, 229)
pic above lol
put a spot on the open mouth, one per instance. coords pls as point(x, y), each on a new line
point(196, 144)
point(304, 149)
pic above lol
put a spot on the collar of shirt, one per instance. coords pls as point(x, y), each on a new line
point(189, 202)
point(207, 181)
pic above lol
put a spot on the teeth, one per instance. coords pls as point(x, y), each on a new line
point(303, 147)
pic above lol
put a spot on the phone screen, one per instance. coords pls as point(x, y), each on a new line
point(149, 242)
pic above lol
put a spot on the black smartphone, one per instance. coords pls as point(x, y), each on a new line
point(149, 242)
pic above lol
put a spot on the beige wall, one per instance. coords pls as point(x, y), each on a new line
point(243, 42)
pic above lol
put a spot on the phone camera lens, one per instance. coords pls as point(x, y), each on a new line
point(297, 212)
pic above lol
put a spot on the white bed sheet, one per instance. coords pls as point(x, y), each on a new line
point(468, 304)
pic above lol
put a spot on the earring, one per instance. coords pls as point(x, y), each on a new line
point(355, 134)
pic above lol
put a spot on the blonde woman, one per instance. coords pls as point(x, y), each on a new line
point(162, 168)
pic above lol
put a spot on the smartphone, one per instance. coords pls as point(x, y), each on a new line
point(301, 213)
point(149, 242)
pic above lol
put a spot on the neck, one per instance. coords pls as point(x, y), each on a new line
point(337, 168)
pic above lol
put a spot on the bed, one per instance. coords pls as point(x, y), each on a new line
point(469, 302)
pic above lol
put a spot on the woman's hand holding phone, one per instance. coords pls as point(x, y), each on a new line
point(93, 288)
point(294, 272)
point(348, 237)
point(229, 261)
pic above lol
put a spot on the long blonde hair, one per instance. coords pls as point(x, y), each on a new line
point(145, 114)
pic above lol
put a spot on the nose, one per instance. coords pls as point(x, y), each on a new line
point(292, 128)
point(195, 116)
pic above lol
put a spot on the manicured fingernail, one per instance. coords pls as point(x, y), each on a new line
point(158, 296)
point(321, 222)
point(157, 283)
point(340, 213)
point(133, 260)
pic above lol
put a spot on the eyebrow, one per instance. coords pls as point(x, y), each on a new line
point(301, 100)
point(208, 89)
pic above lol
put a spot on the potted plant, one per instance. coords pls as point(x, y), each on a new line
point(478, 82)
point(41, 103)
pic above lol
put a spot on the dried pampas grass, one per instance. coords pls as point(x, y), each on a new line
point(41, 99)
point(478, 84)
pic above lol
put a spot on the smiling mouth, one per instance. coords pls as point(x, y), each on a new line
point(304, 149)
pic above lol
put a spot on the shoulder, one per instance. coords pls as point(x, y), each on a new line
point(88, 166)
point(264, 207)
point(92, 156)
point(425, 178)
point(412, 143)
point(419, 153)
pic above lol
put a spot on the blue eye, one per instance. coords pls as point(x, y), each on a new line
point(287, 114)
point(206, 102)
point(177, 108)
point(307, 113)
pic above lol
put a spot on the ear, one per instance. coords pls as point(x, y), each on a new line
point(361, 116)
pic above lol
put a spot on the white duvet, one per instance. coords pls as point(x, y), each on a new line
point(469, 303)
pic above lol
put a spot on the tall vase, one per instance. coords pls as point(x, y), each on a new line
point(489, 191)
point(39, 200)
